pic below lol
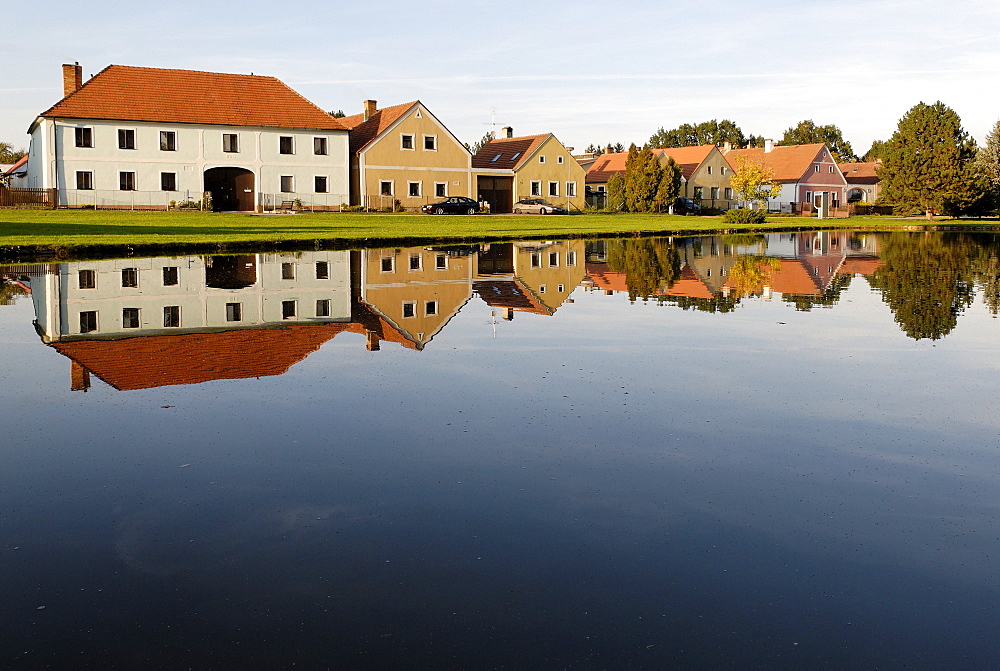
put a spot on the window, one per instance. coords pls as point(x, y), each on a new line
point(441, 189)
point(815, 168)
point(541, 288)
point(413, 189)
point(321, 184)
point(409, 308)
point(570, 259)
point(171, 316)
point(559, 160)
point(513, 156)
point(286, 145)
point(729, 193)
point(715, 192)
point(169, 276)
point(130, 318)
point(323, 307)
point(709, 170)
point(430, 143)
point(286, 184)
point(496, 158)
point(385, 188)
point(441, 262)
point(319, 146)
point(230, 143)
point(553, 188)
point(130, 277)
point(288, 271)
point(168, 181)
point(322, 270)
point(415, 262)
point(541, 159)
point(168, 140)
point(536, 188)
point(809, 196)
point(387, 264)
point(553, 259)
point(234, 312)
point(85, 181)
point(724, 170)
point(406, 141)
point(430, 308)
point(536, 260)
point(126, 138)
point(84, 137)
point(561, 288)
point(88, 321)
point(126, 181)
point(831, 168)
point(288, 309)
point(571, 189)
point(87, 279)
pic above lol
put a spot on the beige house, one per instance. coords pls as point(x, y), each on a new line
point(404, 153)
point(704, 173)
point(535, 166)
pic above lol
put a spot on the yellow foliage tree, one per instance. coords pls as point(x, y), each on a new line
point(753, 182)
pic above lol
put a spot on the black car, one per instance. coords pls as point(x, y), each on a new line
point(452, 205)
point(686, 206)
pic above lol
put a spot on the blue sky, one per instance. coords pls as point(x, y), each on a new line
point(586, 71)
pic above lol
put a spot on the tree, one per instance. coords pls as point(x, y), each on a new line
point(753, 182)
point(616, 192)
point(339, 114)
point(670, 186)
point(482, 142)
point(807, 132)
point(10, 155)
point(642, 179)
point(876, 151)
point(650, 265)
point(928, 163)
point(989, 156)
point(692, 135)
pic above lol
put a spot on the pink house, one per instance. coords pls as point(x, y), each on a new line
point(804, 171)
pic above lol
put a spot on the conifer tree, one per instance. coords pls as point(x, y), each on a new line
point(616, 192)
point(669, 187)
point(927, 164)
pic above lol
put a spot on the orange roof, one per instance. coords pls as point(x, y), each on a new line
point(510, 294)
point(606, 165)
point(120, 92)
point(860, 265)
point(17, 164)
point(788, 163)
point(507, 152)
point(364, 132)
point(791, 277)
point(860, 173)
point(604, 279)
point(688, 158)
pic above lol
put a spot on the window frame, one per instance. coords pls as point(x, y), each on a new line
point(553, 189)
point(536, 188)
point(168, 140)
point(321, 184)
point(287, 271)
point(286, 145)
point(131, 318)
point(164, 181)
point(84, 180)
point(320, 146)
point(91, 321)
point(126, 138)
point(440, 189)
point(90, 283)
point(407, 138)
point(433, 142)
point(322, 270)
point(83, 137)
point(130, 278)
point(231, 143)
point(410, 189)
point(322, 307)
point(170, 276)
point(286, 183)
point(381, 187)
point(234, 312)
point(171, 316)
point(289, 309)
point(571, 189)
point(126, 180)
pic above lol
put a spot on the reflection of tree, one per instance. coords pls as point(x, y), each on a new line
point(649, 265)
point(987, 274)
point(750, 272)
point(926, 280)
point(831, 296)
point(746, 240)
point(9, 291)
point(717, 303)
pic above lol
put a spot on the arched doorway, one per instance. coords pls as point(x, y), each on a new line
point(231, 189)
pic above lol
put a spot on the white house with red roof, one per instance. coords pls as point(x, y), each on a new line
point(805, 173)
point(146, 137)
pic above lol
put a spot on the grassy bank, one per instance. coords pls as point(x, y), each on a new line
point(74, 228)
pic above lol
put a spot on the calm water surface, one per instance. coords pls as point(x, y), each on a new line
point(712, 452)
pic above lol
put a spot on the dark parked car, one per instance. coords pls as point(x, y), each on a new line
point(453, 205)
point(537, 205)
point(686, 206)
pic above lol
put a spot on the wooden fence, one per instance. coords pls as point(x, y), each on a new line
point(28, 198)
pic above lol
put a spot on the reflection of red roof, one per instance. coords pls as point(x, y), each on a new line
point(604, 279)
point(791, 277)
point(189, 96)
point(510, 294)
point(689, 285)
point(145, 362)
point(860, 265)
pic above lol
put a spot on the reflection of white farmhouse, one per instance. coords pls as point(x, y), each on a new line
point(143, 137)
point(160, 296)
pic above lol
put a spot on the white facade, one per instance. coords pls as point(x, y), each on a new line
point(167, 162)
point(138, 297)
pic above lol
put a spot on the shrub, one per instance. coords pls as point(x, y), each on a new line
point(743, 215)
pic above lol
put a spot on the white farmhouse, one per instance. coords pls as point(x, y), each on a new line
point(146, 137)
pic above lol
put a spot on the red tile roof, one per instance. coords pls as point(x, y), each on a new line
point(120, 92)
point(17, 164)
point(606, 165)
point(789, 163)
point(510, 294)
point(500, 152)
point(688, 158)
point(860, 173)
point(364, 132)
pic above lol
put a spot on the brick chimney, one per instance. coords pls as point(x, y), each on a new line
point(768, 146)
point(507, 131)
point(727, 146)
point(72, 78)
point(609, 149)
point(371, 107)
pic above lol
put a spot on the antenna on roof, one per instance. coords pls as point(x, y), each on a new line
point(493, 121)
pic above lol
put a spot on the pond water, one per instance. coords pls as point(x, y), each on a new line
point(735, 451)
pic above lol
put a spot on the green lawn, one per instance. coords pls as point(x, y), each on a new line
point(75, 228)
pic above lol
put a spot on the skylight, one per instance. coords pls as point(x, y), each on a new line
point(514, 157)
point(495, 158)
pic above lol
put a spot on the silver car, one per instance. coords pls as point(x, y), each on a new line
point(537, 206)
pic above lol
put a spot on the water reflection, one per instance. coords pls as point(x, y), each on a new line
point(141, 323)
